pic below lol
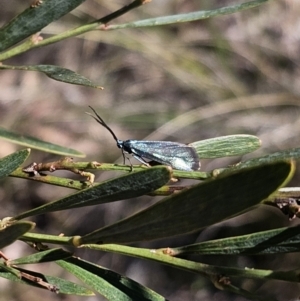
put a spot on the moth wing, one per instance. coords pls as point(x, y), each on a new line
point(179, 156)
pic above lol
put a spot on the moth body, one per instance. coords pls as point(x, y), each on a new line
point(177, 155)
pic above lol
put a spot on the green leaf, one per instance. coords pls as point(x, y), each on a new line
point(281, 240)
point(13, 231)
point(199, 268)
point(38, 144)
point(6, 268)
point(233, 145)
point(289, 154)
point(44, 256)
point(111, 285)
point(33, 19)
point(214, 273)
point(198, 207)
point(11, 162)
point(129, 186)
point(46, 238)
point(57, 73)
point(48, 282)
point(189, 17)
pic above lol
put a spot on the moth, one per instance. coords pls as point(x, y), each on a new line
point(177, 155)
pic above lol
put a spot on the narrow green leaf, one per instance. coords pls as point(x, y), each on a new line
point(38, 144)
point(49, 283)
point(33, 19)
point(13, 231)
point(198, 267)
point(44, 256)
point(43, 238)
point(11, 162)
point(129, 186)
point(189, 17)
point(233, 145)
point(282, 240)
point(289, 154)
point(57, 73)
point(111, 285)
point(198, 207)
point(10, 270)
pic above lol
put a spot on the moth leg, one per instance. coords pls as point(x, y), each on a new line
point(131, 168)
point(124, 160)
point(141, 160)
point(124, 157)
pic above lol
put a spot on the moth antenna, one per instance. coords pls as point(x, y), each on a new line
point(102, 122)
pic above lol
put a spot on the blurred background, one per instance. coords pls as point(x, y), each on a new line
point(235, 74)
